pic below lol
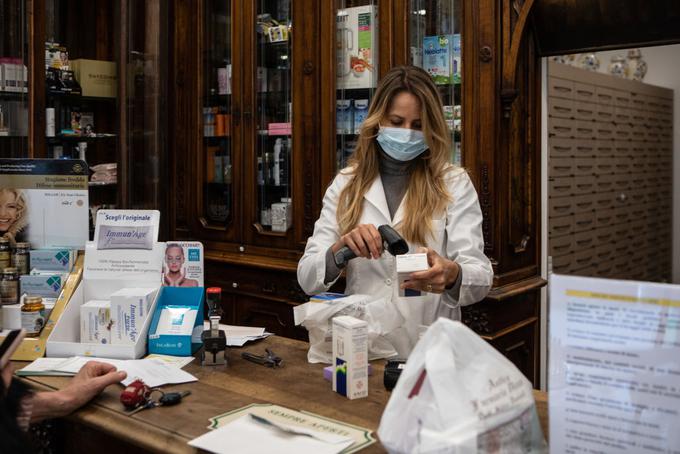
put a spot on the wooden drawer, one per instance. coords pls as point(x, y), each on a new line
point(584, 166)
point(560, 187)
point(621, 247)
point(604, 252)
point(583, 185)
point(605, 131)
point(621, 99)
point(605, 200)
point(638, 101)
point(560, 206)
point(604, 183)
point(637, 227)
point(622, 148)
point(604, 113)
point(583, 259)
point(561, 88)
point(561, 245)
point(560, 107)
point(622, 165)
point(563, 225)
point(585, 148)
point(604, 268)
point(585, 129)
point(604, 165)
point(562, 264)
point(604, 218)
point(584, 222)
point(604, 96)
point(623, 131)
point(639, 117)
point(621, 214)
point(561, 147)
point(584, 240)
point(622, 115)
point(583, 203)
point(561, 127)
point(636, 205)
point(584, 110)
point(637, 180)
point(621, 182)
point(588, 271)
point(604, 235)
point(560, 167)
point(583, 92)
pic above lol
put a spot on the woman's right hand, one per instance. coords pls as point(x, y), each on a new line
point(364, 240)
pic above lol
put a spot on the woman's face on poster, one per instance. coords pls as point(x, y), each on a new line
point(8, 209)
point(174, 257)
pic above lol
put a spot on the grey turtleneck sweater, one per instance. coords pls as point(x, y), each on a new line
point(394, 175)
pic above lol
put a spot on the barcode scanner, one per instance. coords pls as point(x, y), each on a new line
point(392, 242)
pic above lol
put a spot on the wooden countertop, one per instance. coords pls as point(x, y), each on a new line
point(298, 385)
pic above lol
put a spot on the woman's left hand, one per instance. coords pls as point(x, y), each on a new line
point(441, 274)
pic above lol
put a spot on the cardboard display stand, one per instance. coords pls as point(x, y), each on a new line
point(107, 271)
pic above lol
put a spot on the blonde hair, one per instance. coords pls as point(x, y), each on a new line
point(426, 195)
point(20, 222)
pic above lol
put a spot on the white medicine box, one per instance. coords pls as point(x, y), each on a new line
point(95, 322)
point(407, 264)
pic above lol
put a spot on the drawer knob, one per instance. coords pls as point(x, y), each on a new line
point(622, 197)
point(234, 284)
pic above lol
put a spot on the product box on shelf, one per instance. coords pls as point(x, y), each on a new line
point(47, 284)
point(343, 116)
point(357, 54)
point(53, 259)
point(360, 114)
point(107, 271)
point(97, 78)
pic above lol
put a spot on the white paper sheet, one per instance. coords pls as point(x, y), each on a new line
point(43, 366)
point(237, 336)
point(176, 361)
point(614, 366)
point(246, 435)
point(153, 372)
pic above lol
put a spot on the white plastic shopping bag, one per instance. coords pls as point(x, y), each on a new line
point(457, 394)
point(317, 317)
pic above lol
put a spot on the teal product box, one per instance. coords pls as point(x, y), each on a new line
point(47, 285)
point(177, 322)
point(53, 259)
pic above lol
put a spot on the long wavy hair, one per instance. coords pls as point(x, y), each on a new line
point(426, 195)
point(21, 219)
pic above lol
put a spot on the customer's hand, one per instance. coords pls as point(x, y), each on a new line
point(441, 274)
point(364, 240)
point(89, 382)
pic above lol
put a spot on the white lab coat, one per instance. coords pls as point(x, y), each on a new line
point(457, 236)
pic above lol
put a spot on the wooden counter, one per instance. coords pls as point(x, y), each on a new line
point(103, 425)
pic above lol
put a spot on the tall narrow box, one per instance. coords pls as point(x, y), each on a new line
point(129, 309)
point(350, 357)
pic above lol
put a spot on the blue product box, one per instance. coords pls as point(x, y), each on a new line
point(177, 321)
point(53, 259)
point(360, 113)
point(344, 113)
point(45, 285)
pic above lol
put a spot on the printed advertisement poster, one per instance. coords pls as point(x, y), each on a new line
point(44, 202)
point(183, 264)
point(127, 229)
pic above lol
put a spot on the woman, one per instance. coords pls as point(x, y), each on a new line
point(12, 214)
point(400, 175)
point(175, 274)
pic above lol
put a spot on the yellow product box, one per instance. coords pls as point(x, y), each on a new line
point(96, 77)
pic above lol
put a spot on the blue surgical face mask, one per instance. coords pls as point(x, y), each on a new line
point(401, 143)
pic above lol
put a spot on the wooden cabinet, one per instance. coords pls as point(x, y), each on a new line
point(127, 127)
point(254, 263)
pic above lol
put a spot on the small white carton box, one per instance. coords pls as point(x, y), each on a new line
point(130, 307)
point(407, 264)
point(107, 271)
point(350, 357)
point(95, 322)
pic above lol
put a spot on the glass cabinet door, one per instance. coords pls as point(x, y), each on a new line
point(435, 45)
point(356, 40)
point(273, 116)
point(13, 80)
point(218, 156)
point(145, 68)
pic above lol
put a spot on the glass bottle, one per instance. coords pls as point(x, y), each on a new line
point(5, 253)
point(33, 315)
point(9, 286)
point(21, 258)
